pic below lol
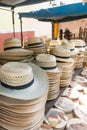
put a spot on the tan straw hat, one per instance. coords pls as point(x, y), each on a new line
point(62, 54)
point(12, 43)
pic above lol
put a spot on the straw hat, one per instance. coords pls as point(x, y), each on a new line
point(12, 43)
point(70, 45)
point(22, 81)
point(79, 44)
point(62, 54)
point(47, 62)
point(34, 41)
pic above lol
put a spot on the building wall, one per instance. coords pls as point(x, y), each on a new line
point(74, 26)
point(26, 35)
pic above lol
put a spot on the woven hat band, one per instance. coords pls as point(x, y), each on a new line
point(18, 87)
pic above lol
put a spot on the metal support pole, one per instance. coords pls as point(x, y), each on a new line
point(13, 21)
point(21, 30)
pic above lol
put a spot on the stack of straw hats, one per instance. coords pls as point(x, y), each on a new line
point(12, 43)
point(64, 61)
point(22, 96)
point(79, 44)
point(73, 51)
point(48, 63)
point(36, 45)
point(19, 55)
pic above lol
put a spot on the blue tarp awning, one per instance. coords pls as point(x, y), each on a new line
point(59, 14)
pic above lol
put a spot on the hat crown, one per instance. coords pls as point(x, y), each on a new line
point(70, 45)
point(10, 40)
point(34, 40)
point(46, 58)
point(16, 74)
point(61, 51)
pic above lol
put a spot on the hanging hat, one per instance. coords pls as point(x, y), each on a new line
point(62, 54)
point(22, 81)
point(12, 43)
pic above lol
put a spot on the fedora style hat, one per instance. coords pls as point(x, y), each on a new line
point(71, 46)
point(62, 54)
point(22, 81)
point(12, 43)
point(47, 62)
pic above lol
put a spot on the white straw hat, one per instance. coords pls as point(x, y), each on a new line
point(22, 81)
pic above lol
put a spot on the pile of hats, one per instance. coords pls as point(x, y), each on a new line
point(73, 51)
point(79, 44)
point(48, 63)
point(64, 61)
point(22, 96)
point(36, 45)
point(14, 52)
point(20, 55)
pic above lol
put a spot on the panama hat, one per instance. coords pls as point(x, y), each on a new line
point(62, 54)
point(70, 45)
point(34, 42)
point(12, 43)
point(22, 79)
point(79, 44)
point(36, 45)
point(47, 62)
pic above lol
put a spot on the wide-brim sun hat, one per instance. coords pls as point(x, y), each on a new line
point(34, 89)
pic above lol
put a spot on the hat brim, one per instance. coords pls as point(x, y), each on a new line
point(36, 90)
point(64, 60)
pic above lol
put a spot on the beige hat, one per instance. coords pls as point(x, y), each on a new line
point(22, 81)
point(47, 62)
point(70, 45)
point(12, 43)
point(79, 44)
point(62, 54)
